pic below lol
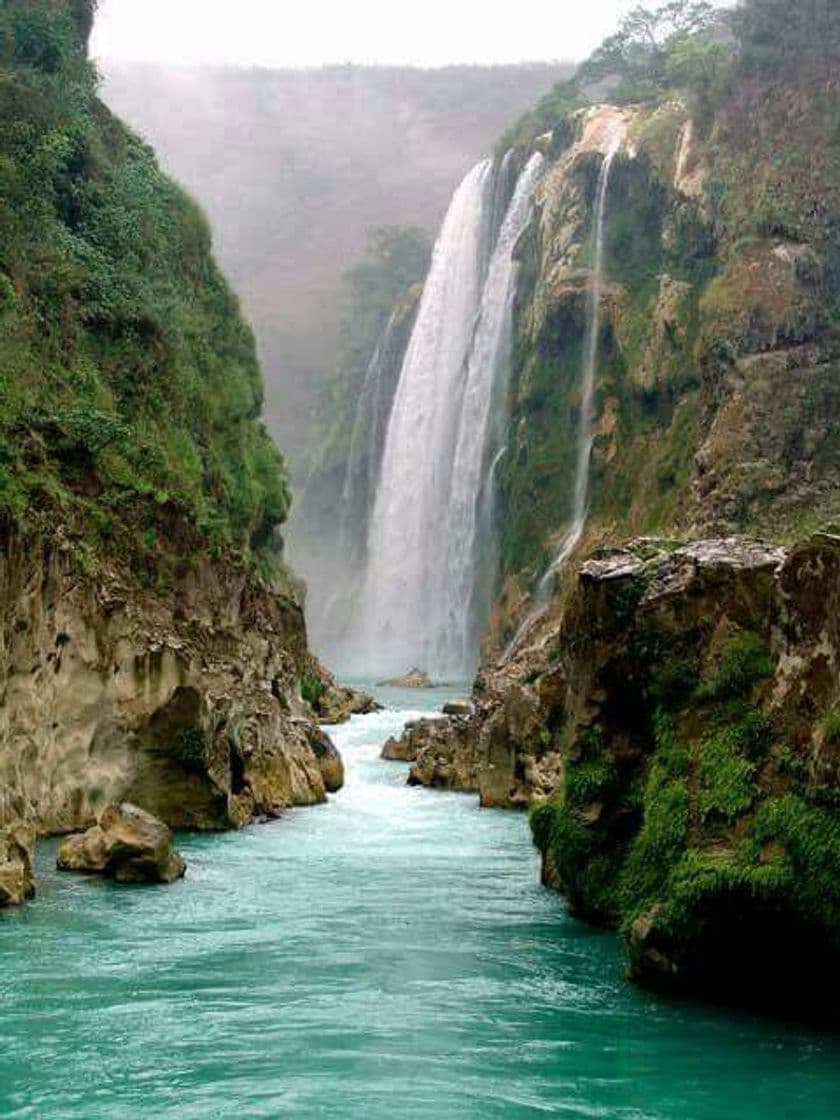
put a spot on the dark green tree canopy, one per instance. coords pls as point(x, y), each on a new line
point(126, 371)
point(396, 258)
point(652, 46)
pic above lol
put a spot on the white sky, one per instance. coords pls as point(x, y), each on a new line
point(319, 32)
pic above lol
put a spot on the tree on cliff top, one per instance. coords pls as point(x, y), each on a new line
point(656, 49)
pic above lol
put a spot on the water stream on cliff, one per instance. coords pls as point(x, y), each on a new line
point(388, 955)
point(586, 432)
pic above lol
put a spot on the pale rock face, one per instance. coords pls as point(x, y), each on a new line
point(128, 845)
point(690, 176)
point(17, 883)
point(184, 703)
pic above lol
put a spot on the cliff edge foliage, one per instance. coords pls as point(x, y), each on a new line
point(151, 649)
point(718, 353)
point(128, 381)
point(671, 716)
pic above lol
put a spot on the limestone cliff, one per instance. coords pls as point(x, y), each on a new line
point(718, 355)
point(184, 701)
point(152, 648)
point(674, 724)
point(671, 715)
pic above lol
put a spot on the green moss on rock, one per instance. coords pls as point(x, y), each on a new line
point(128, 379)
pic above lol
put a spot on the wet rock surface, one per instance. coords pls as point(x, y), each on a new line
point(337, 703)
point(329, 760)
point(17, 880)
point(128, 845)
point(458, 708)
point(183, 698)
point(674, 723)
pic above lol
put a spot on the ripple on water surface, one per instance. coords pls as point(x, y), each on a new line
point(389, 955)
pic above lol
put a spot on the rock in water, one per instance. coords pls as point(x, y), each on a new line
point(416, 678)
point(415, 736)
point(462, 708)
point(329, 760)
point(128, 844)
point(338, 703)
point(17, 882)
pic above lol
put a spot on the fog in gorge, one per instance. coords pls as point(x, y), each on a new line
point(294, 166)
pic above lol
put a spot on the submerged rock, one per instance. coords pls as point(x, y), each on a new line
point(128, 844)
point(17, 882)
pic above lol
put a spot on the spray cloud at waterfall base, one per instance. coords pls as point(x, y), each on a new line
point(430, 557)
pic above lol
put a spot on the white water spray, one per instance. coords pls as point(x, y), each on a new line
point(463, 593)
point(418, 602)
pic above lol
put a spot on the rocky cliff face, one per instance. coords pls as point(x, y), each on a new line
point(152, 649)
point(718, 351)
point(184, 700)
point(675, 725)
point(671, 717)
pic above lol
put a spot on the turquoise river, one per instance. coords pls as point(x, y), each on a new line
point(389, 956)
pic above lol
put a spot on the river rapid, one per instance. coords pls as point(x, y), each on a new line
point(388, 956)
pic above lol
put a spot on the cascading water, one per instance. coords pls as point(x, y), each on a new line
point(411, 612)
point(407, 534)
point(329, 616)
point(366, 442)
point(335, 566)
point(465, 592)
point(586, 432)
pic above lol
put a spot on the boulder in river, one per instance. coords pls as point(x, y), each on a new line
point(460, 708)
point(17, 882)
point(415, 678)
point(128, 844)
point(329, 760)
point(414, 738)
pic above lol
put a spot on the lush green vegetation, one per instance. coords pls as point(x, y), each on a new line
point(396, 258)
point(694, 50)
point(657, 50)
point(312, 689)
point(129, 384)
point(700, 832)
point(675, 47)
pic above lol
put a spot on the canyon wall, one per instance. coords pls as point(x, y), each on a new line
point(152, 646)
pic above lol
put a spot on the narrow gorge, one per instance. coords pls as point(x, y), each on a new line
point(520, 793)
point(647, 381)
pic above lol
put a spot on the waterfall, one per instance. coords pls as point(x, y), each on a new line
point(418, 601)
point(366, 444)
point(467, 578)
point(335, 572)
point(586, 433)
